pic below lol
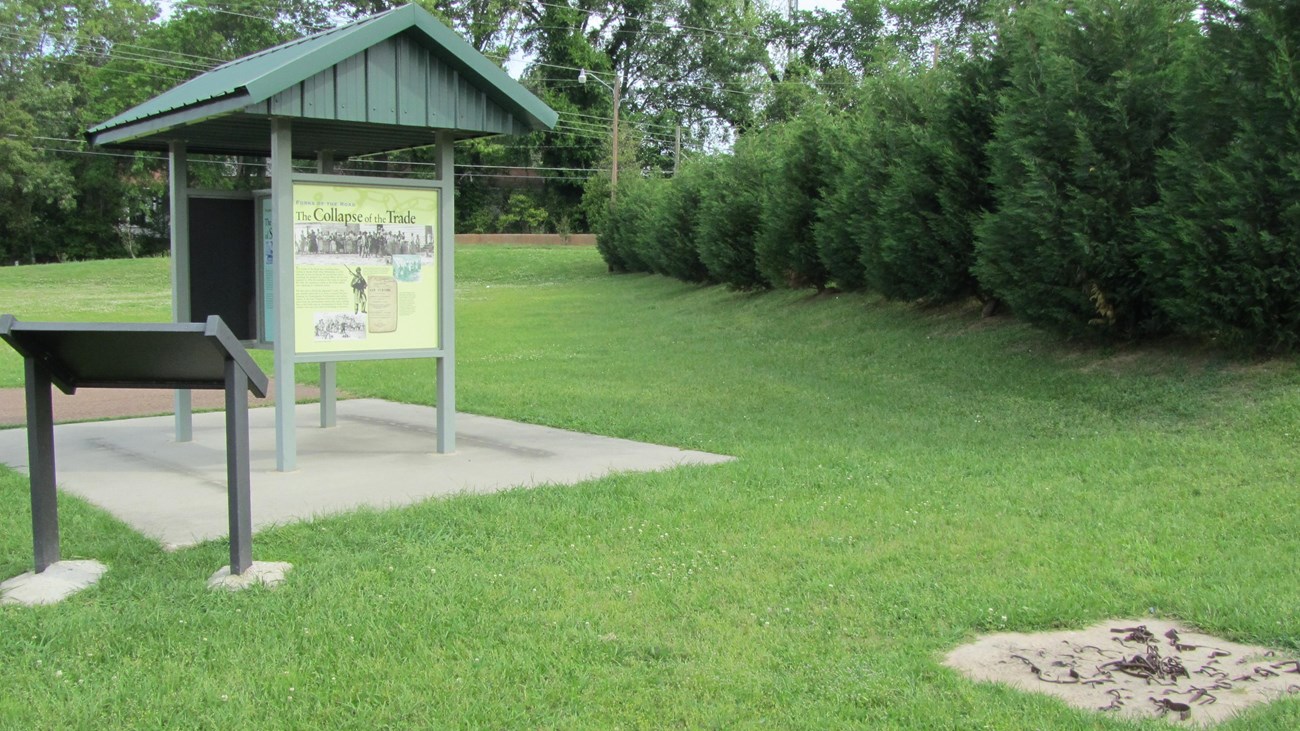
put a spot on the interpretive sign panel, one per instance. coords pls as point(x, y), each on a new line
point(365, 271)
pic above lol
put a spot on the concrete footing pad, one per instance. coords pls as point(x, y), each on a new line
point(381, 454)
point(57, 582)
point(260, 573)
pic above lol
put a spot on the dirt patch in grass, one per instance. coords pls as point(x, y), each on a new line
point(1135, 669)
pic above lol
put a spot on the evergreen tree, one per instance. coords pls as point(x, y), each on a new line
point(857, 166)
point(1224, 240)
point(619, 234)
point(1086, 110)
point(915, 256)
point(729, 211)
point(673, 224)
point(785, 245)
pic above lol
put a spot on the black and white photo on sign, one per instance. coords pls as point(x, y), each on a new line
point(340, 326)
point(354, 243)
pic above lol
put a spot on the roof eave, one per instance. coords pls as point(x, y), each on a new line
point(128, 131)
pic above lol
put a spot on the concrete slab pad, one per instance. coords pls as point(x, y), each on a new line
point(381, 454)
point(57, 582)
point(260, 573)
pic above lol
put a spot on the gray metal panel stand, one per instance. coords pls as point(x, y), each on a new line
point(133, 355)
point(40, 460)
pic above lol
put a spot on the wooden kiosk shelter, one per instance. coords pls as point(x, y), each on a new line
point(322, 267)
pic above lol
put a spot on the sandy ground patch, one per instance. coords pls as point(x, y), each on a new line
point(1135, 669)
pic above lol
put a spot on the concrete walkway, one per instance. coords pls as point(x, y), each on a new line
point(381, 454)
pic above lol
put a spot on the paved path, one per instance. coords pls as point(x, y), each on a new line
point(381, 454)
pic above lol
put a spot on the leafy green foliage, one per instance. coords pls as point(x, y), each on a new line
point(936, 127)
point(906, 258)
point(522, 216)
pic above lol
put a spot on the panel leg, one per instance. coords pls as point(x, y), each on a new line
point(40, 460)
point(238, 487)
point(327, 396)
point(184, 415)
point(446, 395)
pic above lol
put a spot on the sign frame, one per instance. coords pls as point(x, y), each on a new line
point(444, 190)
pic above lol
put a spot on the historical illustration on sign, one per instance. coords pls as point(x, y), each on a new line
point(406, 268)
point(363, 255)
point(340, 326)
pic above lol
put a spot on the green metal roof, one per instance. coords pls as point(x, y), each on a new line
point(382, 83)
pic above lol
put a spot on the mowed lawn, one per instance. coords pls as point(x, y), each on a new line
point(906, 479)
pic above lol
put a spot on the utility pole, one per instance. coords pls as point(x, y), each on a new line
point(677, 150)
point(618, 85)
point(613, 175)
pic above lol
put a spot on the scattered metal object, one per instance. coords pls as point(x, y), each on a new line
point(1173, 668)
point(1165, 705)
point(1178, 645)
point(1136, 634)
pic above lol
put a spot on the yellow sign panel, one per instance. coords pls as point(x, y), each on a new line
point(365, 268)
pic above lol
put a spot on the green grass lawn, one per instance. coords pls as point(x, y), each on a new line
point(907, 479)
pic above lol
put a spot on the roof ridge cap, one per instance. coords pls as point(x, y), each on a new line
point(309, 37)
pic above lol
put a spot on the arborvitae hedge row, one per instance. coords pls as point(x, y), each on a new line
point(1123, 169)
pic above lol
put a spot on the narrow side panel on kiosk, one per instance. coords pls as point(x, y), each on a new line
point(223, 262)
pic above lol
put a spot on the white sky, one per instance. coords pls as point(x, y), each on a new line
point(821, 4)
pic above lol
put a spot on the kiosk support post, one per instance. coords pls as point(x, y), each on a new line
point(40, 460)
point(178, 182)
point(237, 469)
point(286, 438)
point(446, 368)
